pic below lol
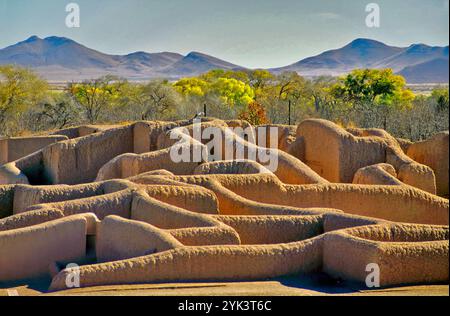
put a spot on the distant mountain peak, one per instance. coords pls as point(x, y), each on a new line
point(138, 53)
point(61, 58)
point(31, 39)
point(368, 53)
point(419, 45)
point(56, 40)
point(195, 54)
point(364, 41)
point(53, 40)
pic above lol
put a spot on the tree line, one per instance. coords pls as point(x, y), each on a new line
point(368, 98)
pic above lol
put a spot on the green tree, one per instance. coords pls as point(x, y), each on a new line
point(233, 92)
point(20, 89)
point(372, 95)
point(192, 87)
point(440, 98)
point(222, 96)
point(260, 78)
point(153, 101)
point(57, 112)
point(280, 95)
point(215, 74)
point(95, 96)
point(373, 86)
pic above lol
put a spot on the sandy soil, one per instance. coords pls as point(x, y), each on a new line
point(289, 286)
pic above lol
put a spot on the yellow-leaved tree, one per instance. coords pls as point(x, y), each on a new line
point(20, 89)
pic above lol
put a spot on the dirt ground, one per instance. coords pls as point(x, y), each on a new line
point(287, 286)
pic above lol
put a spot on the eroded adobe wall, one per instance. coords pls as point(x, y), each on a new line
point(18, 147)
point(288, 168)
point(193, 198)
point(78, 161)
point(435, 154)
point(234, 226)
point(231, 167)
point(26, 195)
point(190, 228)
point(379, 174)
point(146, 134)
point(413, 248)
point(28, 252)
point(3, 151)
point(404, 203)
point(268, 229)
point(118, 203)
point(119, 238)
point(29, 219)
point(212, 263)
point(6, 200)
point(337, 154)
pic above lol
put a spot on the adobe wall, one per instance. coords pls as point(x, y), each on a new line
point(191, 229)
point(413, 248)
point(26, 195)
point(15, 148)
point(166, 216)
point(286, 135)
point(434, 153)
point(146, 134)
point(337, 154)
point(28, 252)
point(233, 221)
point(118, 203)
point(29, 219)
point(119, 238)
point(3, 150)
point(128, 165)
point(379, 174)
point(26, 170)
point(193, 198)
point(70, 132)
point(289, 169)
point(329, 150)
point(231, 167)
point(83, 130)
point(6, 200)
point(78, 161)
point(405, 203)
point(268, 229)
point(337, 221)
point(211, 263)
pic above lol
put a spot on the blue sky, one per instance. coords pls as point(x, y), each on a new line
point(251, 33)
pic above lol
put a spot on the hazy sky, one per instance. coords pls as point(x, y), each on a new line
point(251, 33)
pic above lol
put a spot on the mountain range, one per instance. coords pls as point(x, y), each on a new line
point(62, 59)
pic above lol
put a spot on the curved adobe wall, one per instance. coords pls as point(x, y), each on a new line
point(404, 203)
point(28, 252)
point(15, 148)
point(337, 154)
point(413, 248)
point(434, 153)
